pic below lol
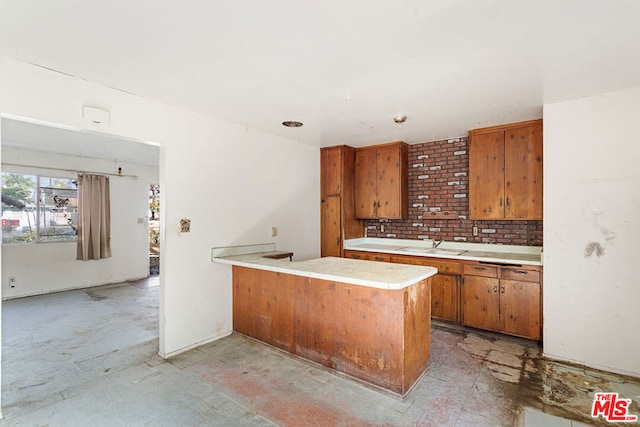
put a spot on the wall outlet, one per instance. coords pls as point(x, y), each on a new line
point(274, 231)
point(12, 282)
point(475, 231)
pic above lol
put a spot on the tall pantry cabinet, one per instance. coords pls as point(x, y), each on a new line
point(337, 200)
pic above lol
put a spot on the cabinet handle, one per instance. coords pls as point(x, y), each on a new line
point(508, 205)
point(378, 203)
point(502, 290)
point(479, 268)
point(519, 272)
point(338, 241)
point(495, 289)
point(500, 201)
point(355, 256)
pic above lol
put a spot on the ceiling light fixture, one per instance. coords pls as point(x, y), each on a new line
point(291, 124)
point(399, 120)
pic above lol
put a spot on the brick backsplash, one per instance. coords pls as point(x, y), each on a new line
point(439, 202)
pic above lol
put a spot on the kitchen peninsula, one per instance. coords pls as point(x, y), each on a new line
point(366, 319)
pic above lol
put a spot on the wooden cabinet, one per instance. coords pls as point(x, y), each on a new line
point(505, 171)
point(502, 299)
point(495, 297)
point(337, 199)
point(445, 286)
point(381, 181)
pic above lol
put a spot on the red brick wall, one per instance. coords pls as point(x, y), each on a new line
point(439, 202)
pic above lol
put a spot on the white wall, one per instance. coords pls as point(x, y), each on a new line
point(50, 267)
point(592, 204)
point(233, 183)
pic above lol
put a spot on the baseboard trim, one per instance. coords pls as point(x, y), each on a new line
point(173, 353)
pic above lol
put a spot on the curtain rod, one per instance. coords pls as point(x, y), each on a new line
point(69, 170)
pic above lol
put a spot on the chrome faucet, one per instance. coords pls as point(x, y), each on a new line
point(436, 243)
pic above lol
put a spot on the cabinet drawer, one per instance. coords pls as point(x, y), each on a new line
point(379, 257)
point(520, 275)
point(444, 266)
point(371, 256)
point(481, 270)
point(355, 254)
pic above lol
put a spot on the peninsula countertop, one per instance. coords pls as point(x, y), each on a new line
point(499, 254)
point(357, 272)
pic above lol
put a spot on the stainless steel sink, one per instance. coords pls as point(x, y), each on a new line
point(433, 251)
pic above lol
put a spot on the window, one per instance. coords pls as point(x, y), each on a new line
point(38, 208)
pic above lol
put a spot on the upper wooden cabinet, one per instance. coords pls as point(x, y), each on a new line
point(332, 168)
point(337, 200)
point(381, 181)
point(505, 171)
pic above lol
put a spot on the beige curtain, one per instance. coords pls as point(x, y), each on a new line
point(94, 217)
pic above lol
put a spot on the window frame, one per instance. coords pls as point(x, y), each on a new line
point(39, 208)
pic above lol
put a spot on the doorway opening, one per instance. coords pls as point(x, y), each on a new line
point(154, 229)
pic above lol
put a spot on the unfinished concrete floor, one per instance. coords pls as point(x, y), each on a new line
point(88, 358)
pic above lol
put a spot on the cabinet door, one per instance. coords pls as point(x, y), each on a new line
point(331, 170)
point(365, 183)
point(486, 180)
point(330, 230)
point(523, 172)
point(444, 297)
point(520, 312)
point(480, 302)
point(390, 170)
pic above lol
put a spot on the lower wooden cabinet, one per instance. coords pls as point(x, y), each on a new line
point(445, 286)
point(444, 297)
point(480, 302)
point(506, 299)
point(492, 300)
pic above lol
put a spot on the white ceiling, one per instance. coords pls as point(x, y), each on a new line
point(344, 68)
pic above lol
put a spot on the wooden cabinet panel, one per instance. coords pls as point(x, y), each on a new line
point(257, 291)
point(520, 312)
point(331, 171)
point(480, 302)
point(390, 173)
point(444, 297)
point(381, 181)
point(330, 230)
point(523, 172)
point(365, 183)
point(486, 176)
point(505, 171)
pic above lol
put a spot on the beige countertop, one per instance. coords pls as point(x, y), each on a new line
point(499, 254)
point(374, 274)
